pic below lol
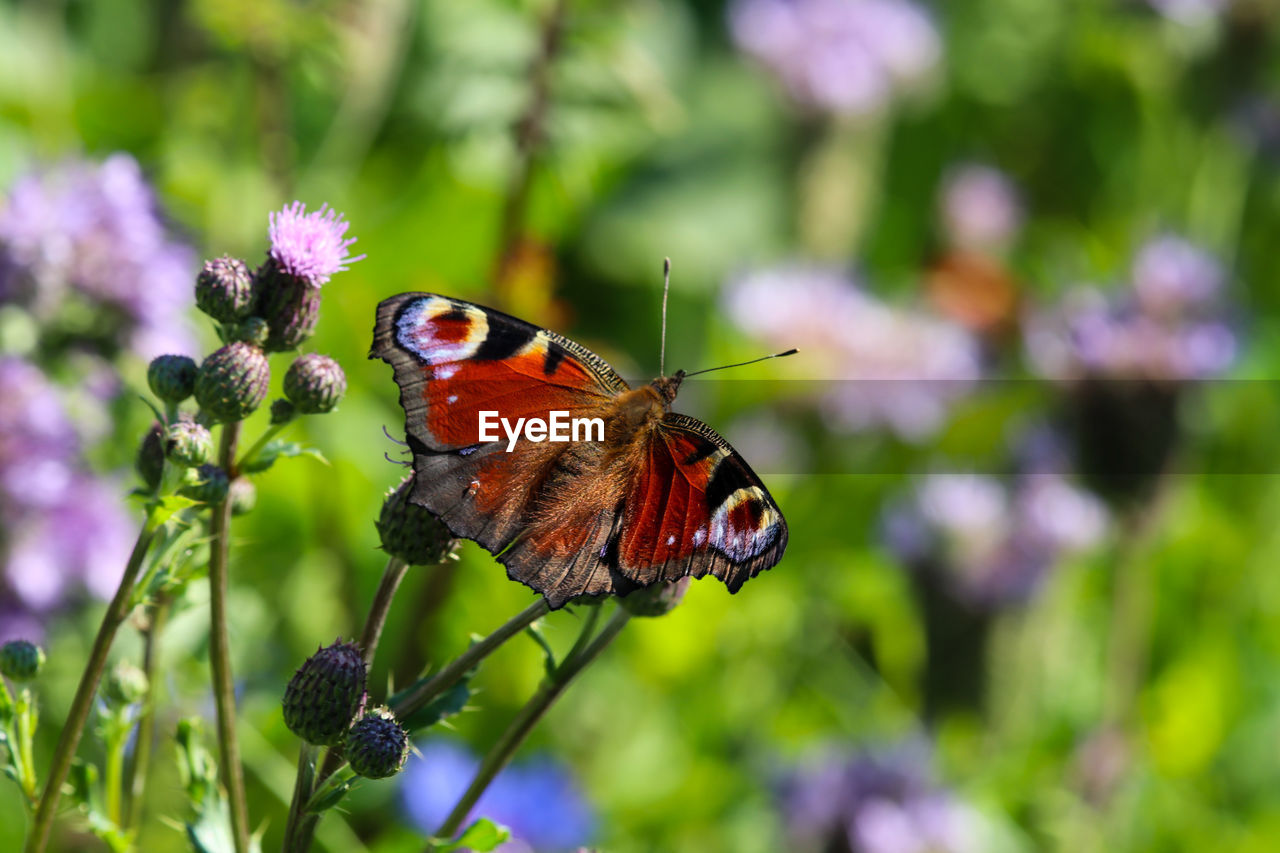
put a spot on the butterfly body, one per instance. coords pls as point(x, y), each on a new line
point(659, 497)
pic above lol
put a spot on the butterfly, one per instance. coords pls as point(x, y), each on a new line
point(656, 497)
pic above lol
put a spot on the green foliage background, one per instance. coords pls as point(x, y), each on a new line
point(662, 140)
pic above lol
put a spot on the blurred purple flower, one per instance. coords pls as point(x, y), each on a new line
point(980, 208)
point(992, 543)
point(888, 367)
point(1168, 327)
point(883, 802)
point(537, 799)
point(63, 529)
point(1189, 11)
point(843, 56)
point(94, 231)
point(310, 246)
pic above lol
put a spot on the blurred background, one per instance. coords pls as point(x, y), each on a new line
point(1026, 453)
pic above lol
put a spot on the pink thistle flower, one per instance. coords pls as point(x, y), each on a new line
point(310, 246)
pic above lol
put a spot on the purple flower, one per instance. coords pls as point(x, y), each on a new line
point(1168, 327)
point(842, 56)
point(883, 802)
point(991, 543)
point(310, 246)
point(64, 529)
point(94, 233)
point(537, 799)
point(980, 208)
point(886, 367)
point(1189, 11)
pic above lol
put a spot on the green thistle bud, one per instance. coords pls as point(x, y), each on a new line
point(21, 660)
point(377, 746)
point(225, 290)
point(206, 484)
point(657, 599)
point(149, 462)
point(172, 377)
point(315, 384)
point(188, 444)
point(250, 330)
point(282, 411)
point(411, 532)
point(326, 694)
point(232, 382)
point(290, 305)
point(125, 685)
point(243, 495)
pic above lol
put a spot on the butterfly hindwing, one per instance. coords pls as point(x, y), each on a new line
point(697, 508)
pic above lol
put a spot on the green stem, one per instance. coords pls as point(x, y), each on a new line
point(141, 765)
point(28, 715)
point(117, 737)
point(453, 672)
point(220, 651)
point(78, 715)
point(585, 650)
point(377, 619)
point(263, 440)
point(303, 787)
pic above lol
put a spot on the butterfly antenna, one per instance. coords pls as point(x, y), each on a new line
point(744, 363)
point(666, 288)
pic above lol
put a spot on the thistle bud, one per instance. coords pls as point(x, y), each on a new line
point(172, 377)
point(282, 411)
point(225, 290)
point(243, 495)
point(206, 484)
point(411, 532)
point(232, 382)
point(326, 694)
point(149, 462)
point(290, 306)
point(377, 746)
point(250, 330)
point(21, 660)
point(188, 444)
point(125, 685)
point(657, 599)
point(315, 384)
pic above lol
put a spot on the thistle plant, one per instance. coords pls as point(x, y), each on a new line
point(191, 488)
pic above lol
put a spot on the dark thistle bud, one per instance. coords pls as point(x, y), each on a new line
point(377, 746)
point(290, 305)
point(250, 330)
point(657, 599)
point(232, 382)
point(150, 460)
point(206, 484)
point(326, 694)
point(243, 495)
point(126, 685)
point(315, 384)
point(188, 444)
point(411, 532)
point(21, 660)
point(225, 290)
point(282, 411)
point(172, 377)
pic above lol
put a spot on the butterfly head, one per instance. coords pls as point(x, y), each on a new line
point(668, 386)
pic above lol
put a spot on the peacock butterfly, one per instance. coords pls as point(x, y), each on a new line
point(658, 496)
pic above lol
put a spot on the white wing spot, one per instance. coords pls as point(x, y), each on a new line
point(699, 536)
point(452, 398)
point(671, 540)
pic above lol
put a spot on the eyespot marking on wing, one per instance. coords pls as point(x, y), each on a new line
point(439, 330)
point(744, 525)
